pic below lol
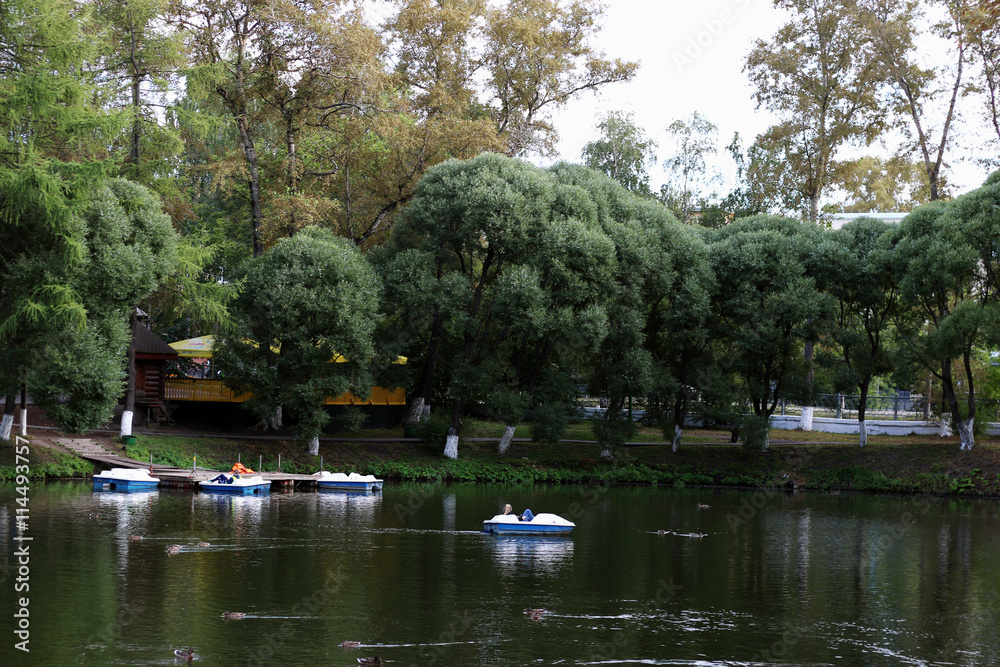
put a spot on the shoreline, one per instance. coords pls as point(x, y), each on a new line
point(799, 460)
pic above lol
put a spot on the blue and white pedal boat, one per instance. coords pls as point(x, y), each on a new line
point(541, 524)
point(351, 482)
point(238, 484)
point(125, 479)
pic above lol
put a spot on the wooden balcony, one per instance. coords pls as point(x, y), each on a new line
point(214, 391)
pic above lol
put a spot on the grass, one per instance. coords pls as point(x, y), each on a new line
point(807, 460)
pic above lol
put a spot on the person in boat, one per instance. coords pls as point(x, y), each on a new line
point(527, 516)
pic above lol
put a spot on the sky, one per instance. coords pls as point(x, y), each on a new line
point(691, 55)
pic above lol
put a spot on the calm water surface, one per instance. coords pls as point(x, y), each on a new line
point(790, 579)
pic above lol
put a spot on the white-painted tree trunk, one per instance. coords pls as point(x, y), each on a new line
point(506, 439)
point(862, 433)
point(965, 435)
point(417, 412)
point(678, 431)
point(24, 422)
point(314, 447)
point(945, 430)
point(5, 426)
point(451, 446)
point(806, 421)
point(126, 428)
point(767, 441)
point(606, 454)
point(276, 421)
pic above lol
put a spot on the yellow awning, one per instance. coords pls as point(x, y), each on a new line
point(201, 348)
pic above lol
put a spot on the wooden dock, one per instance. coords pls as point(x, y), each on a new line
point(171, 475)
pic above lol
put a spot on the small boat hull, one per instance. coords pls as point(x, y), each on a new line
point(125, 479)
point(236, 485)
point(542, 524)
point(352, 482)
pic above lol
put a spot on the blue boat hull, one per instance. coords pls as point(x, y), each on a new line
point(524, 528)
point(106, 484)
point(239, 490)
point(351, 486)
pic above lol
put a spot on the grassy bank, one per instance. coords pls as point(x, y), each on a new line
point(912, 464)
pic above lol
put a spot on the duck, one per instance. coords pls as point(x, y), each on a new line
point(174, 549)
point(703, 506)
point(661, 532)
point(233, 615)
point(534, 614)
point(204, 544)
point(95, 515)
point(699, 535)
point(135, 538)
point(370, 662)
point(184, 654)
point(349, 644)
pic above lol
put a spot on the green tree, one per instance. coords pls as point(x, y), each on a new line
point(766, 307)
point(885, 185)
point(857, 269)
point(128, 247)
point(303, 329)
point(623, 152)
point(939, 277)
point(695, 139)
point(819, 75)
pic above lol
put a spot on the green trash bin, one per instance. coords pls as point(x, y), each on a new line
point(128, 441)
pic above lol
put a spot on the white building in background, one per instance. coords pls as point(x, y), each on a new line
point(838, 220)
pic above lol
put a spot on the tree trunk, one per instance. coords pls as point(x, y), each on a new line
point(276, 421)
point(9, 408)
point(806, 420)
point(963, 426)
point(314, 447)
point(678, 432)
point(24, 409)
point(862, 408)
point(129, 411)
point(508, 437)
point(451, 442)
point(965, 435)
point(420, 405)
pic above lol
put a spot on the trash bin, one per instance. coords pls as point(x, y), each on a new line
point(128, 441)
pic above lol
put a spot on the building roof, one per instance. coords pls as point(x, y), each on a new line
point(148, 343)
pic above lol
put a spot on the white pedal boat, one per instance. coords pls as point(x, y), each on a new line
point(351, 482)
point(239, 484)
point(125, 479)
point(540, 524)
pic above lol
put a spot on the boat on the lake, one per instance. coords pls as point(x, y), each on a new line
point(233, 483)
point(125, 479)
point(351, 482)
point(539, 524)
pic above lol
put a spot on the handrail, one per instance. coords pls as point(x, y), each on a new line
point(215, 391)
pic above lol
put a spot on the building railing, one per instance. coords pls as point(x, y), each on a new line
point(215, 391)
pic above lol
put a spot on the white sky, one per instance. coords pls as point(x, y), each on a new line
point(691, 57)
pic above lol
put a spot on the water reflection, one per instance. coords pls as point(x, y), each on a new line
point(542, 556)
point(356, 508)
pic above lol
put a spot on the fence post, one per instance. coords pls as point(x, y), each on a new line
point(895, 407)
point(782, 407)
point(840, 406)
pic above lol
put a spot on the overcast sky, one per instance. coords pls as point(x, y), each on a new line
point(691, 55)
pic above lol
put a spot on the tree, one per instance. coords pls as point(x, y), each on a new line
point(819, 74)
point(694, 139)
point(857, 270)
point(939, 277)
point(982, 25)
point(918, 93)
point(766, 307)
point(623, 152)
point(885, 185)
point(128, 247)
point(303, 329)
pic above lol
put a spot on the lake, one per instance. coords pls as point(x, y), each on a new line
point(775, 579)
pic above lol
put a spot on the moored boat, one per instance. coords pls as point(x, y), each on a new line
point(540, 524)
point(125, 479)
point(240, 484)
point(351, 482)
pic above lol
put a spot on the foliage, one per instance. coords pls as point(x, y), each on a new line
point(623, 152)
point(694, 140)
point(303, 328)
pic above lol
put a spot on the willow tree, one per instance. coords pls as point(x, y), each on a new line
point(302, 330)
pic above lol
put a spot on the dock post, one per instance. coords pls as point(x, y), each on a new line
point(279, 461)
point(260, 463)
